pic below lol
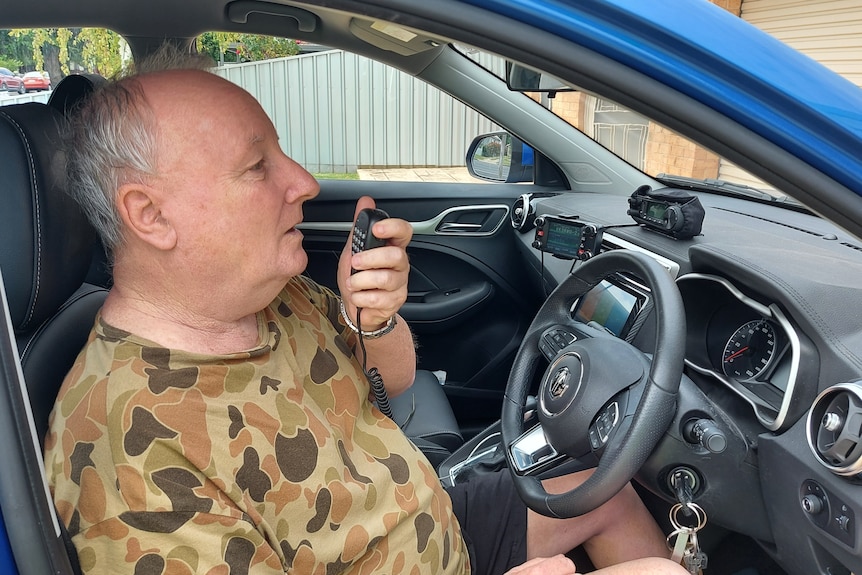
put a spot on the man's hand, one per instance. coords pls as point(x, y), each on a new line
point(557, 565)
point(379, 285)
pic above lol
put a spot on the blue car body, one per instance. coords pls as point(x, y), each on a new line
point(711, 56)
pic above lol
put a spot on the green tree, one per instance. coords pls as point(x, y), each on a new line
point(16, 52)
point(235, 47)
point(12, 64)
point(60, 50)
point(102, 51)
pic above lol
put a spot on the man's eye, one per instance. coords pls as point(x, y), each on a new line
point(258, 166)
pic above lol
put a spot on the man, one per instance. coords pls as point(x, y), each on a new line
point(218, 419)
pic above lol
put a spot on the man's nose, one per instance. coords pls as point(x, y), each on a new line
point(300, 185)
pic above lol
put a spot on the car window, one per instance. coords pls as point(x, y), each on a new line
point(58, 52)
point(648, 146)
point(344, 116)
point(355, 118)
point(360, 119)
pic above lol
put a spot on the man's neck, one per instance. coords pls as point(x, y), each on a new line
point(176, 327)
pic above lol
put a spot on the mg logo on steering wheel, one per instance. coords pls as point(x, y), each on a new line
point(560, 383)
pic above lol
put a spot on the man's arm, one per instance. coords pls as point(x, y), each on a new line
point(379, 287)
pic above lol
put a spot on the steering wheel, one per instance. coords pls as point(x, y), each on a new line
point(602, 403)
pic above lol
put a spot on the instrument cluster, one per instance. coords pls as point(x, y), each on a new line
point(748, 345)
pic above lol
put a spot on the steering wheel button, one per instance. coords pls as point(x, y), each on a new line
point(595, 442)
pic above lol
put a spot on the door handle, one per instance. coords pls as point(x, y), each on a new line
point(455, 227)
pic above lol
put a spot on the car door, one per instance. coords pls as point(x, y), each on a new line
point(469, 300)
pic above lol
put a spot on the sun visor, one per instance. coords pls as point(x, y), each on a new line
point(392, 37)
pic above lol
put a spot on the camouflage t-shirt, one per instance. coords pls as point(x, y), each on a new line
point(267, 461)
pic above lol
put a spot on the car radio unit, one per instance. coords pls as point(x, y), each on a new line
point(567, 238)
point(676, 213)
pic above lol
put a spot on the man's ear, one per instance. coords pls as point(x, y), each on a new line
point(141, 212)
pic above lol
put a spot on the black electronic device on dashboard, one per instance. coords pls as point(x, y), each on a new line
point(676, 213)
point(567, 238)
point(617, 304)
point(362, 238)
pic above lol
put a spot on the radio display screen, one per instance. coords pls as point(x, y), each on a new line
point(564, 238)
point(655, 210)
point(611, 306)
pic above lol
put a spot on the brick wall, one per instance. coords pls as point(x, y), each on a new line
point(671, 154)
point(732, 6)
point(665, 151)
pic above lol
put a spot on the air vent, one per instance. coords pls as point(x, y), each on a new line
point(522, 213)
point(835, 428)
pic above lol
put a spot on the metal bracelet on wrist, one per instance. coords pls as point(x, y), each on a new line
point(390, 325)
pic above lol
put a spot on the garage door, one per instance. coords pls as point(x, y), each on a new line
point(829, 31)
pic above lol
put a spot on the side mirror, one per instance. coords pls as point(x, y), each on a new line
point(500, 157)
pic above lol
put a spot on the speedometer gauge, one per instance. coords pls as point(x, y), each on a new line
point(749, 350)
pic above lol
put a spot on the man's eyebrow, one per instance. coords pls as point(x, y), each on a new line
point(256, 139)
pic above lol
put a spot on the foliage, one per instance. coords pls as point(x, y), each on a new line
point(12, 64)
point(235, 47)
point(491, 149)
point(102, 51)
point(15, 52)
point(61, 50)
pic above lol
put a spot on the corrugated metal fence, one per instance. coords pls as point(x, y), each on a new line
point(336, 111)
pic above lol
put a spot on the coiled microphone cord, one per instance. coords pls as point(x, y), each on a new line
point(373, 375)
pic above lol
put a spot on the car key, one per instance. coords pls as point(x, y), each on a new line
point(363, 239)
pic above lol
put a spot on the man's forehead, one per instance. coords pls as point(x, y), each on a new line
point(197, 91)
point(190, 102)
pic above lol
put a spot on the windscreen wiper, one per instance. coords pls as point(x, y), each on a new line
point(725, 187)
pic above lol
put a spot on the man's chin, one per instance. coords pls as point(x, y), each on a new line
point(295, 264)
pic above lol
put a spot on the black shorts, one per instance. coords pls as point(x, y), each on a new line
point(493, 522)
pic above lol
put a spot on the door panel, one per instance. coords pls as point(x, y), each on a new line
point(469, 302)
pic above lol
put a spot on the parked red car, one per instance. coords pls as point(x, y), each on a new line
point(37, 81)
point(10, 82)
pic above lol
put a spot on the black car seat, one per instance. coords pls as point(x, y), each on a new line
point(45, 253)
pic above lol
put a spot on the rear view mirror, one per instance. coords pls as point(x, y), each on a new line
point(522, 79)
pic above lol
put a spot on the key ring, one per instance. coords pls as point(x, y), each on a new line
point(699, 513)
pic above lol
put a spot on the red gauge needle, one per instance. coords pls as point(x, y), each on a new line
point(736, 353)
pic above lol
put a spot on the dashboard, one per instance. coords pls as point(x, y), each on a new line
point(773, 303)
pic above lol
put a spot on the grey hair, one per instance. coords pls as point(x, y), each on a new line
point(112, 141)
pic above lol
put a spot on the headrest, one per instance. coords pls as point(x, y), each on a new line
point(72, 90)
point(45, 240)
